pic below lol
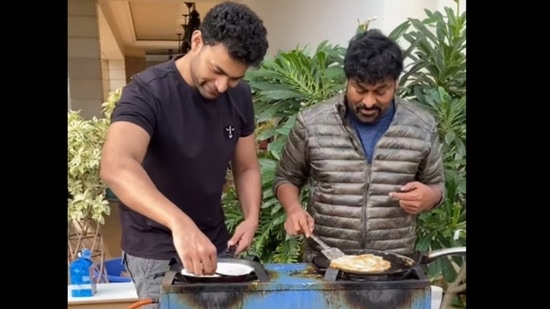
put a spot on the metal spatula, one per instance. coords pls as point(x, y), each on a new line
point(330, 253)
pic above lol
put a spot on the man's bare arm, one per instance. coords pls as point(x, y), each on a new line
point(292, 170)
point(123, 152)
point(289, 197)
point(246, 172)
point(432, 171)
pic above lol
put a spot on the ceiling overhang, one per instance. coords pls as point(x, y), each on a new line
point(157, 20)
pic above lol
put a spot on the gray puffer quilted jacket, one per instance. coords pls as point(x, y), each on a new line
point(349, 198)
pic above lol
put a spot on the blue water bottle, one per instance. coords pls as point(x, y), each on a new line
point(82, 275)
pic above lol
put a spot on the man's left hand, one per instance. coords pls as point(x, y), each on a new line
point(416, 197)
point(244, 233)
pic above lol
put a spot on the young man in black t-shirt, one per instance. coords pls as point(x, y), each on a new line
point(173, 132)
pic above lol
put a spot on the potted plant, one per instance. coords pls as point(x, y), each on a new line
point(87, 194)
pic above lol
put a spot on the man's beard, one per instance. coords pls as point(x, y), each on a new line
point(367, 115)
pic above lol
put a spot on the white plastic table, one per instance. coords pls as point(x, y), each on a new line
point(108, 296)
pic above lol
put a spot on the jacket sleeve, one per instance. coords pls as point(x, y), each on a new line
point(293, 165)
point(431, 170)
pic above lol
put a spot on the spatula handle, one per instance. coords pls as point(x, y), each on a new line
point(320, 242)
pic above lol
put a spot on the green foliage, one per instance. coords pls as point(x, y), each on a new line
point(436, 79)
point(85, 141)
point(291, 81)
point(437, 50)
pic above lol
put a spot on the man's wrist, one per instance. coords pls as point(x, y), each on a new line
point(254, 217)
point(438, 194)
point(290, 208)
point(182, 221)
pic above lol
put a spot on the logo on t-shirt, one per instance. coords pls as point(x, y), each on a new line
point(229, 131)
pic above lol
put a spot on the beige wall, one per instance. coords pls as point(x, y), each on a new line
point(91, 77)
point(84, 61)
point(117, 74)
point(114, 76)
point(105, 78)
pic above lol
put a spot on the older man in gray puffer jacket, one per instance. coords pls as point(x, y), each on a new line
point(372, 160)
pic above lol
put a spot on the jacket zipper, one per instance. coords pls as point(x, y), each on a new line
point(365, 208)
point(359, 147)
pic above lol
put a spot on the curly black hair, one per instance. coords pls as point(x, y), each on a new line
point(239, 29)
point(372, 58)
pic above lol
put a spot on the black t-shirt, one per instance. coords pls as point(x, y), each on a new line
point(192, 141)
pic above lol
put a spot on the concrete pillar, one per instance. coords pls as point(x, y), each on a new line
point(105, 81)
point(117, 74)
point(84, 60)
point(114, 76)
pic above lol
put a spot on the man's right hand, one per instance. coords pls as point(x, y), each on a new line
point(197, 253)
point(299, 221)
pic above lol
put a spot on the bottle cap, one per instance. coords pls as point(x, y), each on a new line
point(86, 253)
